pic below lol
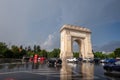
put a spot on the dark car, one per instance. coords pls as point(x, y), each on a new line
point(52, 62)
point(110, 60)
point(96, 60)
point(112, 67)
point(58, 62)
point(80, 59)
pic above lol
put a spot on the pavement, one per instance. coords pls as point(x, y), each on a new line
point(43, 72)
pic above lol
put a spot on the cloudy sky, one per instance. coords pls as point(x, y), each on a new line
point(29, 22)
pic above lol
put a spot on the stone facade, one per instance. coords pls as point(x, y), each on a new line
point(82, 36)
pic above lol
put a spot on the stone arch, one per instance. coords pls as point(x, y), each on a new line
point(82, 36)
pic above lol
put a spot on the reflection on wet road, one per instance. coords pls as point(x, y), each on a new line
point(40, 71)
point(75, 71)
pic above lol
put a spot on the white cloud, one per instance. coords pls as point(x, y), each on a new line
point(51, 42)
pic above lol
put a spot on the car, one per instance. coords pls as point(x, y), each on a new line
point(79, 59)
point(25, 59)
point(88, 60)
point(51, 61)
point(110, 61)
point(58, 62)
point(96, 60)
point(72, 60)
point(54, 62)
point(102, 60)
point(112, 67)
point(106, 60)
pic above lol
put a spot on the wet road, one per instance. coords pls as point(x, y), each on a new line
point(40, 71)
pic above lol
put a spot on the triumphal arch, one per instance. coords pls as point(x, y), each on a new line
point(82, 36)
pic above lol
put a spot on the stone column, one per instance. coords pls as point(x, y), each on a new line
point(86, 47)
point(69, 46)
point(66, 45)
point(89, 51)
point(83, 48)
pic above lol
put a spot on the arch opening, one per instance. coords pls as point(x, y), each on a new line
point(76, 48)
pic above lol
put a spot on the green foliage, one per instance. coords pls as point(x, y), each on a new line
point(8, 54)
point(117, 52)
point(43, 53)
point(38, 48)
point(100, 55)
point(3, 48)
point(15, 51)
point(54, 54)
point(19, 52)
point(30, 53)
point(76, 54)
point(35, 48)
point(29, 48)
point(22, 53)
point(112, 55)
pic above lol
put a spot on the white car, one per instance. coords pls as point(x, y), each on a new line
point(72, 60)
point(88, 60)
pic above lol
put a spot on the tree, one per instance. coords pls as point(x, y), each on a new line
point(22, 53)
point(76, 54)
point(111, 55)
point(35, 49)
point(99, 55)
point(29, 48)
point(38, 48)
point(8, 54)
point(30, 53)
point(117, 52)
point(3, 48)
point(15, 50)
point(43, 53)
point(21, 47)
point(55, 53)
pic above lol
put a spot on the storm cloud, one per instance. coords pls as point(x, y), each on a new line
point(32, 22)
